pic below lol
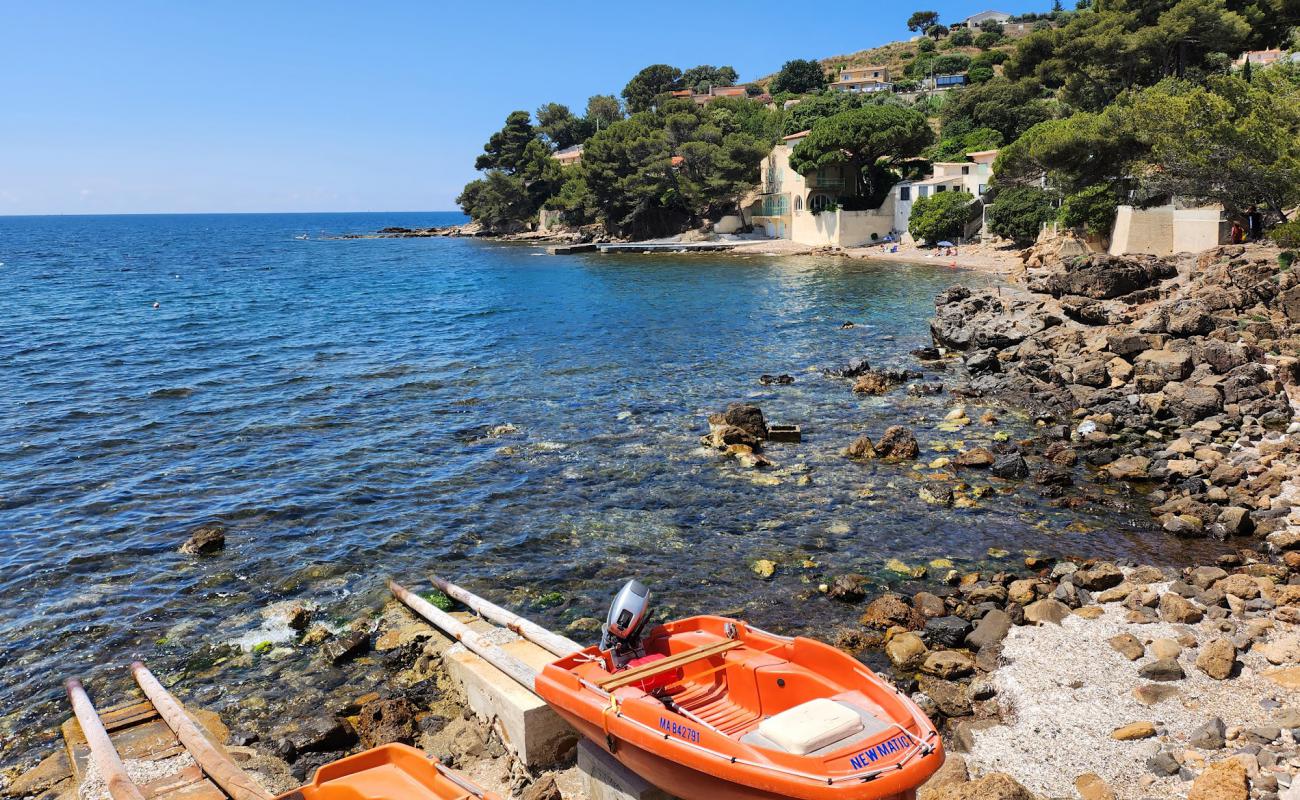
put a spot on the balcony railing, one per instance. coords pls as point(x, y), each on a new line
point(821, 182)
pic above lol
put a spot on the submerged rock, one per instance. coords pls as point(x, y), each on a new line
point(205, 540)
point(898, 443)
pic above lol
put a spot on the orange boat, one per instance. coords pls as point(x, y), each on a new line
point(718, 710)
point(391, 772)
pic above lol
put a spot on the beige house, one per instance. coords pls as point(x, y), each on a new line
point(568, 156)
point(863, 80)
point(805, 208)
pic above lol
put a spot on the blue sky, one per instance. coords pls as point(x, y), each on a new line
point(137, 107)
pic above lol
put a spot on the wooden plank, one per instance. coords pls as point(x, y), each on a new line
point(631, 676)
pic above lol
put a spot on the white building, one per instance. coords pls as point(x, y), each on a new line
point(975, 20)
point(971, 176)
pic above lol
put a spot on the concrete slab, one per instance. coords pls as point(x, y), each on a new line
point(539, 737)
point(604, 778)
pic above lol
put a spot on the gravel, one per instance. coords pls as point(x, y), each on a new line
point(1055, 733)
point(140, 772)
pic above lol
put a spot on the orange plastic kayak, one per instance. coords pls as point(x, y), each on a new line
point(718, 710)
point(391, 772)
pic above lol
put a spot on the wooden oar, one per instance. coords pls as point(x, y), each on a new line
point(111, 768)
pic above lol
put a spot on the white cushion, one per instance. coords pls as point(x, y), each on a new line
point(810, 726)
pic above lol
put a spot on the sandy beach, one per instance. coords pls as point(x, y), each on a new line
point(997, 259)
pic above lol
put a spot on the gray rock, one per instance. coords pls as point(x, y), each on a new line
point(1209, 736)
point(1010, 466)
point(1163, 763)
point(346, 648)
point(1165, 669)
point(992, 628)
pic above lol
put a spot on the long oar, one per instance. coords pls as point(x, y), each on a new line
point(111, 768)
point(218, 766)
point(521, 672)
point(557, 644)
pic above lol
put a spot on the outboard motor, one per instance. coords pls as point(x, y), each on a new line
point(625, 622)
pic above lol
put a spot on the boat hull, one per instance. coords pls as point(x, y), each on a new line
point(692, 758)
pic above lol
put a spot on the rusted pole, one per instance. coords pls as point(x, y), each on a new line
point(215, 763)
point(111, 768)
point(557, 644)
point(523, 674)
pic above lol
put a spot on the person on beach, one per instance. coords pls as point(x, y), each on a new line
point(1254, 224)
point(1238, 234)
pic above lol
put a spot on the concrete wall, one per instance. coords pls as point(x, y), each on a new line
point(842, 228)
point(1165, 230)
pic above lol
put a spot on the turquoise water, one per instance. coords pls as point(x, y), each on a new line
point(339, 406)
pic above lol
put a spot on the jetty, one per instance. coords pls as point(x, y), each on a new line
point(667, 247)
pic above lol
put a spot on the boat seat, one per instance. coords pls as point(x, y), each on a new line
point(817, 725)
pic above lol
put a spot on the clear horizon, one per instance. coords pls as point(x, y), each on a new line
point(137, 108)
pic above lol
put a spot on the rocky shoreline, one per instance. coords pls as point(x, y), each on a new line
point(1051, 678)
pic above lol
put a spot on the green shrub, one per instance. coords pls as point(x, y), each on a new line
point(988, 40)
point(1092, 209)
point(926, 45)
point(980, 74)
point(940, 216)
point(1287, 235)
point(962, 37)
point(1018, 214)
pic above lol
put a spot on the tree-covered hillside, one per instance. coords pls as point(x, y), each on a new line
point(1113, 101)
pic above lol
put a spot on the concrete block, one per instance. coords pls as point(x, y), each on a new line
point(604, 778)
point(539, 737)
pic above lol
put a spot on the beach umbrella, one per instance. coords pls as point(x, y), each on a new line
point(945, 244)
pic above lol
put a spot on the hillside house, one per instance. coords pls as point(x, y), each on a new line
point(568, 156)
point(863, 79)
point(1265, 58)
point(805, 208)
point(975, 20)
point(942, 82)
point(972, 176)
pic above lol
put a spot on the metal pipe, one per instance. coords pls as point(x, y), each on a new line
point(557, 644)
point(523, 674)
point(111, 769)
point(214, 762)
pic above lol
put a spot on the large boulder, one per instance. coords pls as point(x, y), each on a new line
point(977, 320)
point(746, 417)
point(898, 443)
point(1188, 318)
point(994, 786)
point(890, 610)
point(1102, 277)
point(1192, 403)
point(385, 721)
point(1155, 368)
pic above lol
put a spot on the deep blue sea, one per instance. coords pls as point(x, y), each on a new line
point(529, 424)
